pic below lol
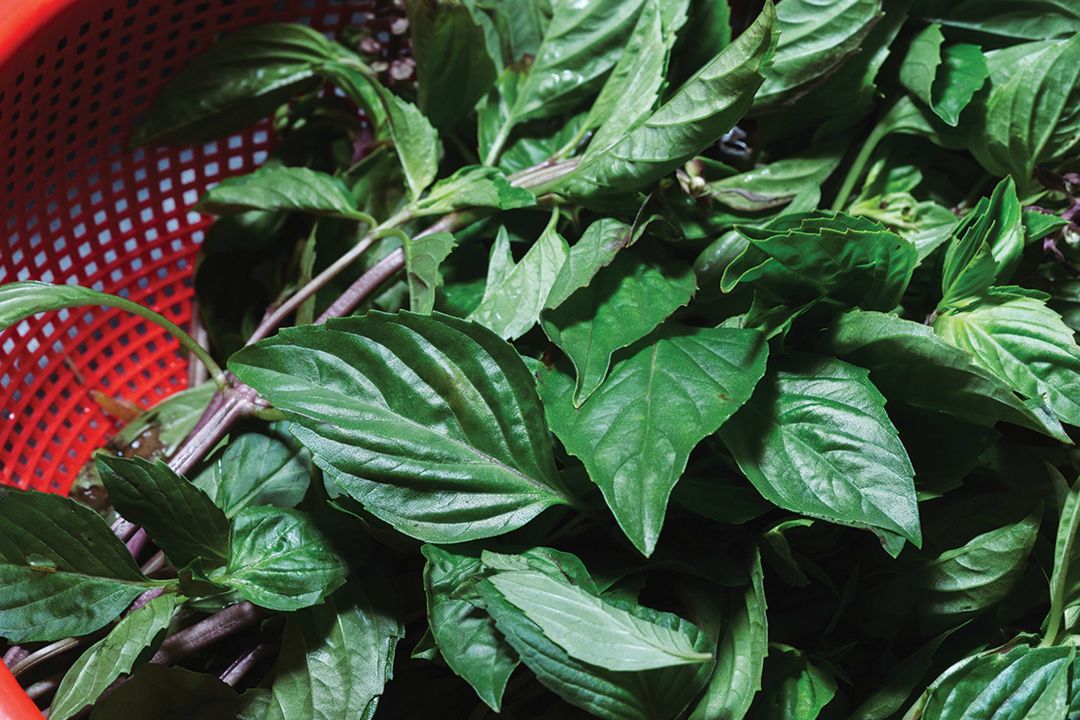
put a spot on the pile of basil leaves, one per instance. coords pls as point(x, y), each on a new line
point(729, 372)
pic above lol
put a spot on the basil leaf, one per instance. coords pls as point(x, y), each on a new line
point(908, 362)
point(336, 657)
point(405, 412)
point(239, 80)
point(130, 643)
point(608, 694)
point(814, 40)
point(63, 571)
point(664, 395)
point(979, 573)
point(582, 43)
point(276, 187)
point(985, 246)
point(1065, 581)
point(793, 687)
point(1013, 334)
point(740, 655)
point(1006, 19)
point(696, 115)
point(815, 440)
point(595, 249)
point(464, 634)
point(634, 85)
point(256, 469)
point(592, 630)
point(1022, 682)
point(180, 517)
point(794, 183)
point(473, 187)
point(945, 80)
point(423, 256)
point(624, 302)
point(516, 293)
point(453, 68)
point(279, 560)
point(801, 258)
point(1029, 117)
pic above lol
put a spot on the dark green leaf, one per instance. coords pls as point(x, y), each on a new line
point(663, 396)
point(168, 693)
point(979, 573)
point(130, 643)
point(256, 469)
point(814, 40)
point(180, 517)
point(464, 634)
point(596, 248)
point(985, 246)
point(646, 695)
point(241, 79)
point(797, 260)
point(793, 687)
point(336, 657)
point(740, 655)
point(815, 440)
point(592, 630)
point(473, 187)
point(944, 79)
point(276, 187)
point(1030, 116)
point(452, 65)
point(908, 362)
point(1013, 334)
point(406, 412)
point(63, 571)
point(517, 292)
point(423, 256)
point(623, 303)
point(696, 115)
point(1021, 683)
point(279, 560)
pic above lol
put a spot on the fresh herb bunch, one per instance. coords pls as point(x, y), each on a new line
point(625, 317)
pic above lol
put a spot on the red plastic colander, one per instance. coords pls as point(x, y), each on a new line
point(77, 207)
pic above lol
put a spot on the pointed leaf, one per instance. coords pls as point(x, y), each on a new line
point(279, 560)
point(431, 422)
point(908, 362)
point(664, 396)
point(423, 256)
point(1014, 335)
point(63, 571)
point(257, 469)
point(277, 187)
point(624, 302)
point(699, 112)
point(815, 440)
point(130, 643)
point(180, 517)
point(513, 300)
point(473, 187)
point(336, 657)
point(463, 632)
point(815, 39)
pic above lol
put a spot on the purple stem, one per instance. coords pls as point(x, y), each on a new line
point(138, 543)
point(206, 632)
point(145, 598)
point(124, 529)
point(243, 664)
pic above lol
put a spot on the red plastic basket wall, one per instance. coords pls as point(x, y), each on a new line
point(76, 207)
